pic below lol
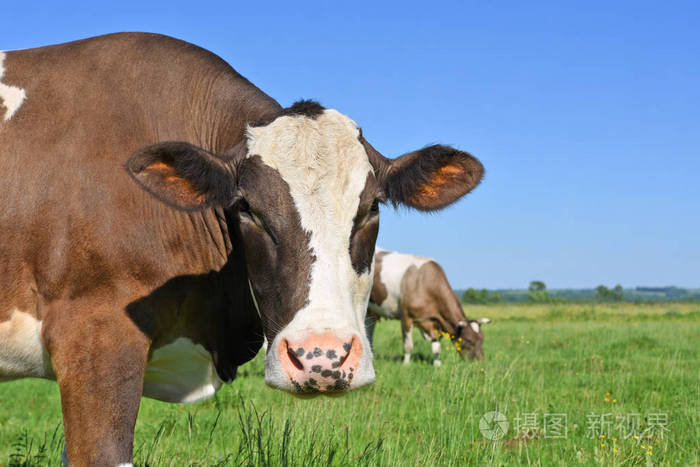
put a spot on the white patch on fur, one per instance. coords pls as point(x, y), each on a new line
point(394, 266)
point(326, 167)
point(475, 326)
point(126, 465)
point(181, 372)
point(22, 353)
point(11, 96)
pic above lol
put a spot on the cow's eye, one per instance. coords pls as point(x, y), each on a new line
point(375, 206)
point(246, 214)
point(245, 211)
point(244, 207)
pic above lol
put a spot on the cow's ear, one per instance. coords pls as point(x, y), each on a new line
point(483, 321)
point(428, 179)
point(183, 176)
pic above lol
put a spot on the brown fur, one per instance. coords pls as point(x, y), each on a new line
point(94, 256)
point(365, 227)
point(379, 292)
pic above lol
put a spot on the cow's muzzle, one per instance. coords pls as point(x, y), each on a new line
point(321, 363)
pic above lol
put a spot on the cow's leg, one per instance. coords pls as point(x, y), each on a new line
point(407, 329)
point(431, 333)
point(435, 347)
point(99, 359)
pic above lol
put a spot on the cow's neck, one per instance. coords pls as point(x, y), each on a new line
point(225, 105)
point(212, 308)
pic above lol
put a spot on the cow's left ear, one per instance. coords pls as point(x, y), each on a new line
point(428, 179)
point(182, 175)
point(483, 321)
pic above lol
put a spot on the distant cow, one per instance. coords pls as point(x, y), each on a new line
point(160, 214)
point(415, 290)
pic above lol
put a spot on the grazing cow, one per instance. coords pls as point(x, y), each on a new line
point(415, 290)
point(160, 214)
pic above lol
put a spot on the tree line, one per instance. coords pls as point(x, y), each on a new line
point(537, 293)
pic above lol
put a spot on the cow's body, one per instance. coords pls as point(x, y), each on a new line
point(415, 290)
point(70, 241)
point(234, 218)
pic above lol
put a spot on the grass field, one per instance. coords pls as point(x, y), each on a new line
point(627, 378)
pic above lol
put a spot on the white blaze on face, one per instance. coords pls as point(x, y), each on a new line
point(326, 167)
point(10, 96)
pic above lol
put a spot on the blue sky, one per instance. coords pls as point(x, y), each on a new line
point(586, 118)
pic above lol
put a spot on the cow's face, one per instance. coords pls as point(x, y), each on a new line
point(304, 188)
point(470, 338)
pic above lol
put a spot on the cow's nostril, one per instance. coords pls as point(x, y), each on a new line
point(293, 358)
point(347, 347)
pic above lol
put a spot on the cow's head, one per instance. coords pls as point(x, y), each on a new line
point(305, 188)
point(470, 338)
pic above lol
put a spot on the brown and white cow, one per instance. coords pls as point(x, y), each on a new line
point(415, 290)
point(235, 218)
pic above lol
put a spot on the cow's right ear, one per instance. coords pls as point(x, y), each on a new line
point(428, 179)
point(183, 176)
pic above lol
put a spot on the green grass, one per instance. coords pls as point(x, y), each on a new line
point(581, 360)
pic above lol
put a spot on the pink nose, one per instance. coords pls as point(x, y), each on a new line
point(320, 362)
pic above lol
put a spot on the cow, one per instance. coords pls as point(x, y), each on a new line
point(161, 214)
point(415, 290)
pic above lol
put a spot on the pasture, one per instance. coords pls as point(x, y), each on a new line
point(578, 384)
